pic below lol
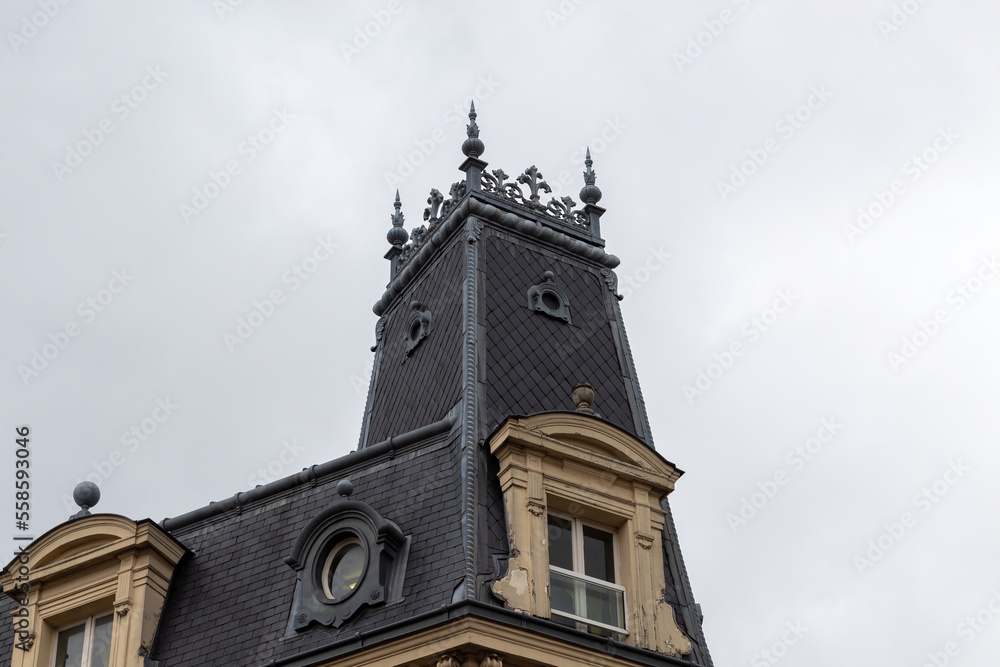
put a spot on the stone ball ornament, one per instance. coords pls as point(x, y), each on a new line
point(86, 495)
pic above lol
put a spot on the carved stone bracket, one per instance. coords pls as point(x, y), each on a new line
point(611, 280)
point(379, 330)
point(122, 607)
point(469, 660)
point(491, 660)
point(644, 541)
point(536, 507)
point(474, 230)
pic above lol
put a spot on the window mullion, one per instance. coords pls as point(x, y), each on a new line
point(88, 640)
point(580, 589)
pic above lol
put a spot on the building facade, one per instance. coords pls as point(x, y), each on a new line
point(505, 505)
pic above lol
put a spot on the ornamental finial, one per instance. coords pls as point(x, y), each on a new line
point(583, 397)
point(473, 146)
point(86, 495)
point(397, 236)
point(590, 194)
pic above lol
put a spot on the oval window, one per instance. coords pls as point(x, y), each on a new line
point(551, 301)
point(344, 569)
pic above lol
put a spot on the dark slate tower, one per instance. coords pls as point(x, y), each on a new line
point(505, 506)
point(497, 307)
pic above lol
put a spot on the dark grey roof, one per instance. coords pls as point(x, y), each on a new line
point(533, 360)
point(230, 599)
point(420, 388)
point(7, 605)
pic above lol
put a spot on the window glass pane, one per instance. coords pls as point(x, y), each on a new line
point(69, 647)
point(598, 554)
point(346, 569)
point(565, 593)
point(605, 605)
point(586, 600)
point(100, 651)
point(560, 542)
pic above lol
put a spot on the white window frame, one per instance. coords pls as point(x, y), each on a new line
point(88, 636)
point(576, 532)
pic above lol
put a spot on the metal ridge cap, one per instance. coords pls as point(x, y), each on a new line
point(556, 223)
point(492, 209)
point(441, 234)
point(307, 475)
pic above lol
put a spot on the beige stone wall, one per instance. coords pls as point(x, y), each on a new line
point(473, 642)
point(95, 565)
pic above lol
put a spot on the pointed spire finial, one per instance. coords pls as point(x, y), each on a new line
point(590, 194)
point(473, 146)
point(397, 236)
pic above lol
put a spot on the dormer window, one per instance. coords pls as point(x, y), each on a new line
point(96, 581)
point(418, 326)
point(547, 297)
point(585, 526)
point(347, 558)
point(86, 644)
point(583, 572)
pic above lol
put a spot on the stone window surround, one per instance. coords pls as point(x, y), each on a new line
point(584, 466)
point(91, 566)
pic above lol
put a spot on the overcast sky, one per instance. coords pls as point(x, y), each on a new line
point(811, 185)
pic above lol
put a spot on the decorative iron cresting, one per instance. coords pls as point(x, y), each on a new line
point(496, 184)
point(562, 209)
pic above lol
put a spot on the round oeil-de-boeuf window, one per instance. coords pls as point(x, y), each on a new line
point(344, 569)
